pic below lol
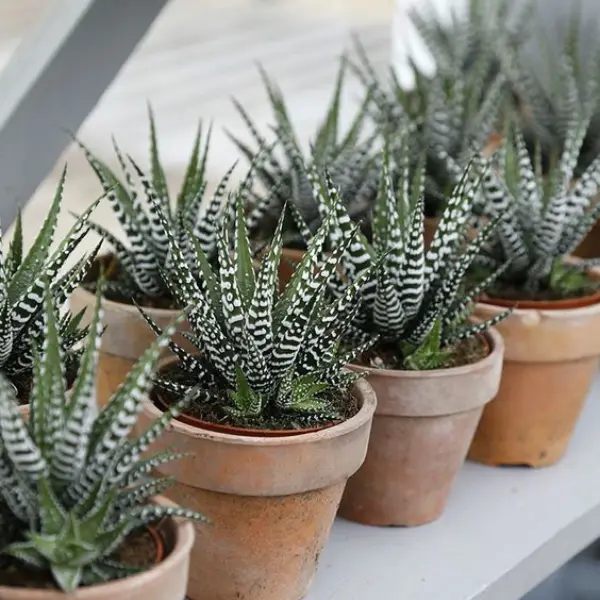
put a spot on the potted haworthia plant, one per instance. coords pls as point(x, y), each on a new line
point(135, 266)
point(563, 81)
point(79, 510)
point(488, 28)
point(552, 338)
point(447, 117)
point(281, 424)
point(347, 154)
point(21, 302)
point(432, 370)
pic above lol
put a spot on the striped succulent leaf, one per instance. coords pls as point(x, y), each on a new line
point(540, 225)
point(134, 196)
point(268, 355)
point(552, 96)
point(72, 481)
point(489, 27)
point(347, 155)
point(22, 280)
point(449, 112)
point(418, 297)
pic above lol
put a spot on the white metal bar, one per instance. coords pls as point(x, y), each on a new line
point(54, 80)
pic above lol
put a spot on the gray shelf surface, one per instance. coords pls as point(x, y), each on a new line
point(504, 531)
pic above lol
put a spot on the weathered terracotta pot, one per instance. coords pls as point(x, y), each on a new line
point(166, 581)
point(421, 432)
point(272, 501)
point(550, 361)
point(125, 339)
point(287, 265)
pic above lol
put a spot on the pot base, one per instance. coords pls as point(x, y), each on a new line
point(422, 429)
point(532, 418)
point(411, 466)
point(258, 548)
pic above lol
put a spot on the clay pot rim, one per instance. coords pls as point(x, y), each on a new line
point(107, 304)
point(494, 339)
point(159, 543)
point(364, 414)
point(564, 304)
point(184, 539)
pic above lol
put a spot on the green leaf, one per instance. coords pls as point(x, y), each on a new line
point(195, 171)
point(53, 376)
point(67, 578)
point(429, 355)
point(305, 390)
point(91, 525)
point(15, 250)
point(159, 181)
point(328, 132)
point(243, 256)
point(31, 265)
point(120, 414)
point(246, 402)
point(566, 279)
point(27, 553)
point(310, 405)
point(207, 275)
point(25, 456)
point(52, 514)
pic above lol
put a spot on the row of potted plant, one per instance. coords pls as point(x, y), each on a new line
point(353, 375)
point(271, 427)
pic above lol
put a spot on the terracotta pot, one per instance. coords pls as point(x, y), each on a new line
point(544, 304)
point(290, 258)
point(165, 581)
point(421, 432)
point(158, 542)
point(272, 501)
point(590, 246)
point(550, 361)
point(125, 339)
point(430, 225)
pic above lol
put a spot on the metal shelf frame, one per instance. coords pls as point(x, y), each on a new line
point(54, 80)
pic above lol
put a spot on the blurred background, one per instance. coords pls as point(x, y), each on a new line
point(197, 55)
point(200, 53)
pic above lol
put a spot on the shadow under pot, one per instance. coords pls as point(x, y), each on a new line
point(551, 359)
point(127, 335)
point(166, 580)
point(272, 500)
point(423, 425)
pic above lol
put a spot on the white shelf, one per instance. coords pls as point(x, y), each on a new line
point(504, 531)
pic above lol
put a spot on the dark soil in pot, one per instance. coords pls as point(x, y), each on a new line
point(511, 293)
point(386, 356)
point(142, 548)
point(113, 272)
point(23, 384)
point(210, 414)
